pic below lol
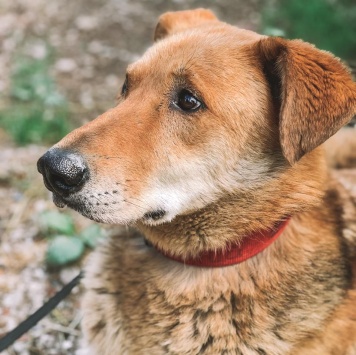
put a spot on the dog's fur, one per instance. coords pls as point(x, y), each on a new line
point(247, 158)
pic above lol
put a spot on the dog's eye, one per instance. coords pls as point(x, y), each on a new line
point(124, 87)
point(186, 101)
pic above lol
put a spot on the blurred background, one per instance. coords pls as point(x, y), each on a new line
point(61, 64)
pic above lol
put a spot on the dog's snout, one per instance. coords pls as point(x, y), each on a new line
point(64, 172)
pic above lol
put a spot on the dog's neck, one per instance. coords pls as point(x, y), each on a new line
point(236, 253)
point(229, 220)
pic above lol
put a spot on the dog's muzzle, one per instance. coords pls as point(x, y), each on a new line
point(64, 172)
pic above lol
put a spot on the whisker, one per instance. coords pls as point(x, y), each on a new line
point(96, 198)
point(134, 204)
point(102, 156)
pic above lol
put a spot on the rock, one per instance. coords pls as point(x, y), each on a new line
point(86, 23)
point(65, 65)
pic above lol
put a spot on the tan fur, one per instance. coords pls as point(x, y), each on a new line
point(341, 149)
point(246, 159)
point(173, 22)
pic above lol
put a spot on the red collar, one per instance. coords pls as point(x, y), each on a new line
point(250, 246)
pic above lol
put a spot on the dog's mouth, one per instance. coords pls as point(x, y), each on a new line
point(87, 209)
point(77, 205)
point(58, 200)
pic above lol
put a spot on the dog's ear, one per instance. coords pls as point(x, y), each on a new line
point(313, 91)
point(173, 22)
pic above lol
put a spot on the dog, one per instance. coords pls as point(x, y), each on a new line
point(243, 239)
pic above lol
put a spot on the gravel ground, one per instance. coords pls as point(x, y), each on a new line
point(93, 42)
point(25, 282)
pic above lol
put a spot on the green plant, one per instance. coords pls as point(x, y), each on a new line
point(66, 246)
point(35, 111)
point(330, 25)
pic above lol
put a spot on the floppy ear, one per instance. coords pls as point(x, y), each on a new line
point(313, 91)
point(173, 22)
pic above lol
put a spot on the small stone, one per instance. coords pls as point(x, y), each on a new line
point(65, 65)
point(38, 51)
point(7, 24)
point(67, 344)
point(86, 99)
point(112, 80)
point(68, 274)
point(86, 23)
point(95, 47)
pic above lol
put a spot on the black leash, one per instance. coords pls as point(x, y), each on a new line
point(34, 318)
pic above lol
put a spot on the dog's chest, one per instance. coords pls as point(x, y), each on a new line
point(140, 303)
point(221, 324)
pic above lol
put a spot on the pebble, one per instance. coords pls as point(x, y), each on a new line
point(65, 65)
point(86, 23)
point(68, 274)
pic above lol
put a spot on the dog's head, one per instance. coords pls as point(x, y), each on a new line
point(209, 110)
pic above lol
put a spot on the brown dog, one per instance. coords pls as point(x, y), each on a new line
point(213, 154)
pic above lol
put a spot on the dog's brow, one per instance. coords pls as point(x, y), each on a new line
point(182, 73)
point(129, 68)
point(131, 71)
point(134, 73)
point(128, 74)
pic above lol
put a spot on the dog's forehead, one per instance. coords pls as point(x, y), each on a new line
point(207, 47)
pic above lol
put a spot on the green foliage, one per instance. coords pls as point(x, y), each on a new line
point(35, 111)
point(55, 222)
point(64, 249)
point(66, 245)
point(330, 25)
point(91, 235)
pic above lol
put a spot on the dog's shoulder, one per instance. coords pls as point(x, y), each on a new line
point(341, 149)
point(338, 337)
point(341, 197)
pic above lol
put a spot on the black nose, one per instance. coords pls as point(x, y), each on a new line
point(64, 172)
